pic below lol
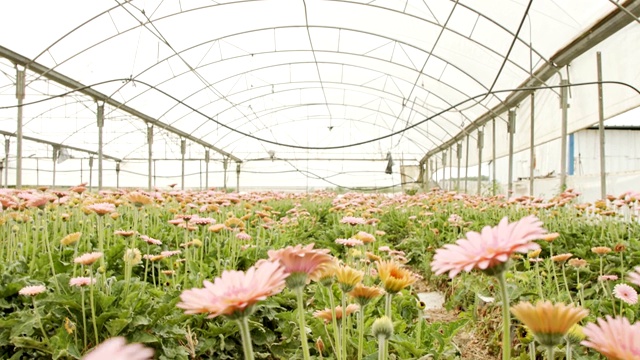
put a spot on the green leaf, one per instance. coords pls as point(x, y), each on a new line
point(115, 326)
point(143, 337)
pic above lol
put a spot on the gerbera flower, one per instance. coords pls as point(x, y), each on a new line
point(138, 199)
point(607, 277)
point(625, 293)
point(132, 256)
point(548, 322)
point(349, 242)
point(634, 276)
point(327, 316)
point(614, 338)
point(71, 238)
point(32, 290)
point(394, 277)
point(124, 233)
point(365, 237)
point(561, 257)
point(81, 281)
point(150, 240)
point(601, 250)
point(118, 349)
point(304, 262)
point(348, 277)
point(352, 220)
point(101, 209)
point(490, 248)
point(243, 236)
point(88, 258)
point(364, 294)
point(216, 228)
point(235, 293)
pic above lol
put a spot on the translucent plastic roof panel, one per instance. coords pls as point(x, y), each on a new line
point(292, 76)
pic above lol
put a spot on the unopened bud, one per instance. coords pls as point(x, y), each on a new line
point(382, 327)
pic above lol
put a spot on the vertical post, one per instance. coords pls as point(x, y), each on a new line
point(512, 130)
point(603, 169)
point(451, 167)
point(183, 151)
point(206, 168)
point(150, 159)
point(466, 167)
point(90, 173)
point(154, 174)
point(480, 145)
point(37, 172)
point(444, 171)
point(459, 157)
point(564, 104)
point(426, 180)
point(532, 152)
point(493, 159)
point(7, 146)
point(118, 175)
point(434, 168)
point(55, 161)
point(100, 126)
point(1, 171)
point(20, 93)
point(225, 164)
point(237, 177)
point(200, 174)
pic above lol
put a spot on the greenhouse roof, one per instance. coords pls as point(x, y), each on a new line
point(298, 78)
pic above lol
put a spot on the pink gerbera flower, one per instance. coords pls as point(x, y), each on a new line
point(81, 281)
point(89, 258)
point(101, 208)
point(634, 276)
point(350, 242)
point(352, 220)
point(150, 240)
point(490, 248)
point(235, 293)
point(625, 293)
point(614, 338)
point(301, 260)
point(118, 349)
point(32, 290)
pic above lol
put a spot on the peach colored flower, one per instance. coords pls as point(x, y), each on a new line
point(216, 228)
point(490, 248)
point(124, 233)
point(561, 257)
point(614, 338)
point(81, 281)
point(607, 277)
point(138, 199)
point(634, 276)
point(601, 250)
point(352, 220)
point(88, 258)
point(625, 293)
point(243, 236)
point(101, 209)
point(327, 316)
point(302, 260)
point(364, 294)
point(235, 293)
point(117, 349)
point(349, 242)
point(150, 240)
point(32, 290)
point(365, 237)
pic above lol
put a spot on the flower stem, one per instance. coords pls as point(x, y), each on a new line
point(550, 352)
point(93, 308)
point(566, 284)
point(569, 352)
point(360, 332)
point(334, 324)
point(301, 323)
point(387, 305)
point(243, 324)
point(506, 318)
point(539, 282)
point(35, 310)
point(343, 328)
point(381, 350)
point(84, 317)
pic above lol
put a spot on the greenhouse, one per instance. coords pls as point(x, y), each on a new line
point(310, 179)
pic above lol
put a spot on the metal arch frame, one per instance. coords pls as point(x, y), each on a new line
point(96, 95)
point(610, 24)
point(274, 110)
point(59, 145)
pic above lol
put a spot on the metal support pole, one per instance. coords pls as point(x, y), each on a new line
point(90, 173)
point(480, 145)
point(451, 167)
point(7, 146)
point(100, 126)
point(237, 177)
point(1, 170)
point(466, 167)
point(118, 175)
point(426, 180)
point(493, 159)
point(199, 174)
point(435, 171)
point(225, 164)
point(512, 131)
point(532, 152)
point(444, 170)
point(459, 157)
point(20, 93)
point(206, 168)
point(603, 169)
point(154, 173)
point(150, 159)
point(564, 103)
point(183, 151)
point(55, 161)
